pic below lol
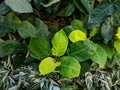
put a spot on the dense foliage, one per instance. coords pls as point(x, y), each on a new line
point(59, 44)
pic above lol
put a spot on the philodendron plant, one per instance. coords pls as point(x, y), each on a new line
point(66, 53)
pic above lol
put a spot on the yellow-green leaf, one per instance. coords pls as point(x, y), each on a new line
point(77, 35)
point(117, 45)
point(93, 32)
point(48, 65)
point(60, 43)
point(118, 33)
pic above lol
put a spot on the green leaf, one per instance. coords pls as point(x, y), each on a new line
point(88, 5)
point(70, 67)
point(117, 45)
point(51, 2)
point(115, 17)
point(109, 50)
point(9, 22)
point(21, 6)
point(93, 32)
point(40, 27)
point(26, 29)
point(10, 47)
point(39, 48)
point(118, 33)
point(104, 9)
point(60, 43)
point(77, 35)
point(107, 30)
point(69, 9)
point(79, 5)
point(100, 56)
point(48, 65)
point(78, 25)
point(82, 50)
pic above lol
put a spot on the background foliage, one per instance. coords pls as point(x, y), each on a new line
point(59, 44)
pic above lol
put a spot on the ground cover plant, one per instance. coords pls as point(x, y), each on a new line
point(59, 44)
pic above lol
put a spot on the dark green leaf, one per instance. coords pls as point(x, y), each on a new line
point(39, 48)
point(88, 5)
point(3, 8)
point(21, 6)
point(104, 9)
point(40, 27)
point(109, 50)
point(69, 9)
point(79, 6)
point(10, 47)
point(82, 50)
point(79, 25)
point(9, 22)
point(26, 29)
point(107, 30)
point(70, 67)
point(100, 56)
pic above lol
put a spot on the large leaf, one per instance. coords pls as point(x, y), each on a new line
point(107, 30)
point(48, 65)
point(104, 9)
point(82, 50)
point(117, 45)
point(3, 8)
point(21, 6)
point(70, 67)
point(60, 43)
point(26, 29)
point(100, 56)
point(40, 27)
point(77, 35)
point(39, 48)
point(10, 47)
point(9, 22)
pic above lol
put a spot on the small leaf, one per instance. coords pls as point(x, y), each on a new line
point(51, 2)
point(60, 43)
point(93, 32)
point(21, 6)
point(118, 33)
point(48, 65)
point(88, 80)
point(26, 29)
point(77, 35)
point(117, 45)
point(69, 9)
point(39, 48)
point(100, 56)
point(70, 67)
